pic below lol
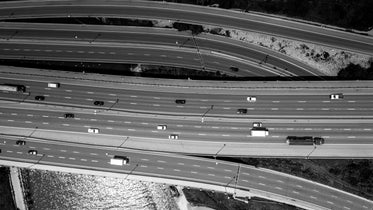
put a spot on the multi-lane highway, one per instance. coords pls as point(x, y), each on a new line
point(187, 13)
point(245, 56)
point(276, 185)
point(135, 113)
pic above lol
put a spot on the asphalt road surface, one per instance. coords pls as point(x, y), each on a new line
point(191, 14)
point(181, 168)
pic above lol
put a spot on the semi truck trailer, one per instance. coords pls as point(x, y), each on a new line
point(12, 88)
point(304, 140)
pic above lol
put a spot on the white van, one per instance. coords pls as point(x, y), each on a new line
point(53, 85)
point(119, 160)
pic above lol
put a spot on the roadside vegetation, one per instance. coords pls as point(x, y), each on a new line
point(6, 197)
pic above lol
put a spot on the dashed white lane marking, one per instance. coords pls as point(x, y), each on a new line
point(164, 56)
point(234, 128)
point(50, 156)
point(211, 174)
point(203, 107)
point(93, 153)
point(143, 166)
point(127, 122)
point(289, 128)
point(76, 152)
point(111, 121)
point(145, 159)
point(300, 186)
point(194, 172)
point(244, 173)
point(83, 160)
point(95, 161)
point(93, 119)
point(345, 207)
point(351, 137)
point(45, 148)
point(146, 54)
point(61, 157)
point(111, 101)
point(198, 126)
point(274, 108)
point(154, 131)
point(307, 129)
point(156, 105)
point(179, 106)
point(71, 158)
point(176, 170)
point(179, 126)
point(262, 184)
point(351, 101)
point(144, 123)
point(112, 53)
point(227, 177)
point(91, 52)
point(313, 197)
point(131, 129)
point(10, 120)
point(347, 129)
point(28, 122)
point(161, 161)
point(210, 167)
point(196, 165)
point(156, 98)
point(181, 164)
point(225, 135)
point(227, 101)
point(244, 180)
point(201, 134)
point(13, 114)
point(133, 96)
point(69, 91)
point(215, 127)
point(280, 181)
point(89, 99)
point(19, 152)
point(275, 101)
point(160, 168)
point(367, 129)
point(133, 103)
point(9, 151)
point(62, 150)
point(87, 126)
point(226, 108)
point(112, 94)
point(261, 177)
point(90, 92)
point(315, 190)
point(295, 192)
point(329, 202)
point(326, 101)
point(66, 124)
point(327, 129)
point(46, 95)
point(324, 108)
point(30, 115)
point(302, 101)
point(110, 128)
point(299, 109)
point(279, 188)
point(351, 109)
point(179, 57)
point(228, 170)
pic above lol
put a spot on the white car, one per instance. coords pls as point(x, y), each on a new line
point(161, 127)
point(53, 85)
point(336, 96)
point(257, 124)
point(93, 130)
point(251, 99)
point(173, 136)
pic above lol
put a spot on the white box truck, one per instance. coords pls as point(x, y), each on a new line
point(119, 160)
point(259, 132)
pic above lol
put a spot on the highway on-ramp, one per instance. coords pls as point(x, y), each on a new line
point(187, 13)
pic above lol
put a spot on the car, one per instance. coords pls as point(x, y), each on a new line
point(32, 152)
point(251, 99)
point(93, 130)
point(98, 103)
point(69, 115)
point(173, 136)
point(20, 142)
point(336, 96)
point(241, 111)
point(39, 98)
point(180, 101)
point(53, 85)
point(257, 124)
point(161, 127)
point(318, 140)
point(235, 69)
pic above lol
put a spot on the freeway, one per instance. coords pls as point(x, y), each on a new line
point(187, 13)
point(277, 186)
point(155, 36)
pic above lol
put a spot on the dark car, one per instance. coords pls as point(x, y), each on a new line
point(39, 98)
point(69, 115)
point(241, 111)
point(20, 142)
point(98, 103)
point(180, 101)
point(318, 140)
point(32, 152)
point(235, 69)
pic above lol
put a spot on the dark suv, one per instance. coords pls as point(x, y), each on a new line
point(39, 98)
point(180, 101)
point(98, 103)
point(20, 142)
point(241, 111)
point(69, 115)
